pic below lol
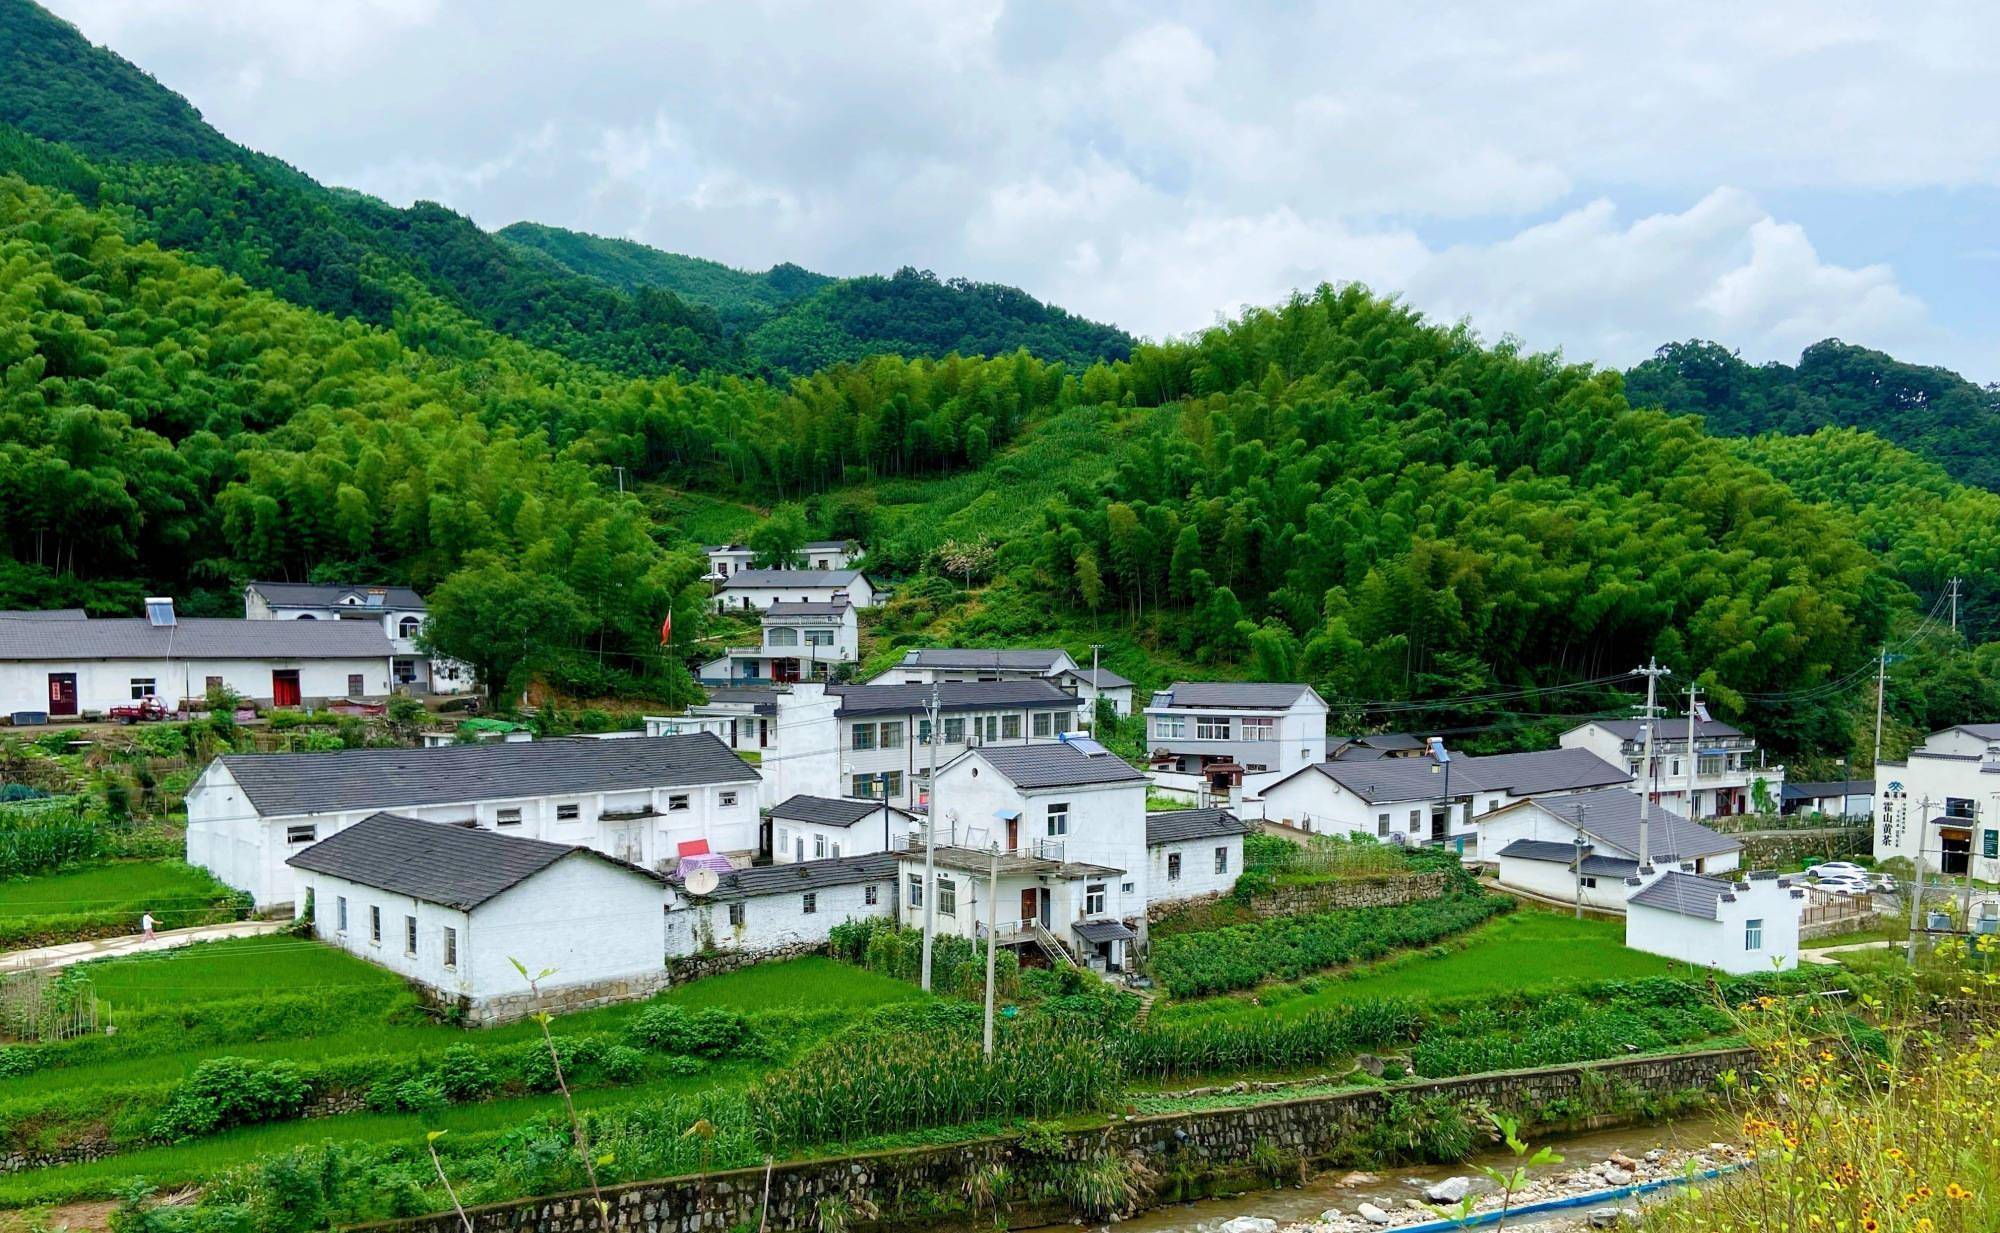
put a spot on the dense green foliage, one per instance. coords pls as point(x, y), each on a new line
point(38, 836)
point(741, 299)
point(1932, 412)
point(958, 965)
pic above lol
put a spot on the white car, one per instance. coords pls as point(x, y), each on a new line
point(1837, 869)
point(1843, 886)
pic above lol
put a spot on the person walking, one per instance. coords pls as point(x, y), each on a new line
point(146, 926)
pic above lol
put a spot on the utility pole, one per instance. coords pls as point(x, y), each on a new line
point(930, 846)
point(1576, 867)
point(1694, 702)
point(1881, 680)
point(1096, 690)
point(992, 934)
point(1652, 672)
point(621, 479)
point(1917, 891)
point(1954, 603)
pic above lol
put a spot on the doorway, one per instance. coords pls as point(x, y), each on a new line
point(1956, 843)
point(62, 693)
point(285, 687)
point(1030, 908)
point(1014, 833)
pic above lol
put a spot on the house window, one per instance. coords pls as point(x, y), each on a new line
point(1093, 899)
point(726, 800)
point(1040, 724)
point(819, 637)
point(1753, 934)
point(1590, 883)
point(1709, 766)
point(409, 935)
point(357, 685)
point(1674, 768)
point(1632, 767)
point(213, 683)
point(1222, 860)
point(954, 731)
point(407, 627)
point(1126, 887)
point(916, 890)
point(1954, 806)
point(809, 903)
point(677, 803)
point(863, 786)
point(1060, 723)
point(892, 736)
point(1211, 728)
point(991, 726)
point(892, 783)
point(781, 636)
point(1058, 819)
point(863, 737)
point(568, 813)
point(142, 687)
point(735, 916)
point(375, 924)
point(1382, 824)
point(923, 732)
point(1169, 726)
point(301, 834)
point(819, 847)
point(1416, 821)
point(871, 895)
point(507, 817)
point(340, 914)
point(947, 889)
point(1010, 727)
point(1259, 729)
point(1173, 866)
point(450, 947)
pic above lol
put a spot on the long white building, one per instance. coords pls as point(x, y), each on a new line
point(400, 611)
point(884, 731)
point(640, 800)
point(758, 589)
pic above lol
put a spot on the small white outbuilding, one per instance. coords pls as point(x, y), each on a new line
point(1742, 927)
point(453, 908)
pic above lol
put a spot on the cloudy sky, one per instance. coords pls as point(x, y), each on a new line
point(1584, 176)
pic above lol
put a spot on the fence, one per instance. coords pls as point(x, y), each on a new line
point(1827, 914)
point(42, 1006)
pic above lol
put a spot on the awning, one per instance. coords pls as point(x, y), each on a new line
point(1007, 815)
point(1096, 931)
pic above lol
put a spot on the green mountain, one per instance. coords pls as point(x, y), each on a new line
point(1932, 412)
point(742, 299)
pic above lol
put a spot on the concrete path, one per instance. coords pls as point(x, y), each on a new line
point(52, 957)
point(1826, 954)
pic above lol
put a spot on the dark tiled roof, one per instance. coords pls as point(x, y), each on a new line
point(803, 876)
point(1982, 732)
point(1612, 815)
point(457, 866)
point(952, 696)
point(1257, 695)
point(1684, 893)
point(1102, 678)
point(791, 578)
point(828, 810)
point(1380, 780)
point(44, 614)
point(1543, 770)
point(808, 608)
point(1563, 853)
point(1057, 764)
point(764, 700)
point(1181, 825)
point(312, 595)
point(1096, 931)
point(399, 778)
point(1391, 742)
point(1669, 729)
point(1815, 789)
point(193, 638)
point(1026, 660)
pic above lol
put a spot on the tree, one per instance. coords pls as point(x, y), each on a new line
point(780, 540)
point(965, 557)
point(501, 621)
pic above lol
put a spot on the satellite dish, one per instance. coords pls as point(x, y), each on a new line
point(702, 882)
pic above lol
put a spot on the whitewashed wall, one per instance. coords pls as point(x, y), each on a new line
point(775, 921)
point(1198, 873)
point(104, 683)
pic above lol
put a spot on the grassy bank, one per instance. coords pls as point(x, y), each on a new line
point(107, 899)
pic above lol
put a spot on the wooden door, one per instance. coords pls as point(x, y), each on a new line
point(285, 687)
point(1014, 833)
point(62, 693)
point(1029, 901)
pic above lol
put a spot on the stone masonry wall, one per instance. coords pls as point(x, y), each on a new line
point(1210, 1142)
point(1322, 897)
point(716, 962)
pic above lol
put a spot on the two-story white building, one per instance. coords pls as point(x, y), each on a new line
point(816, 828)
point(1236, 733)
point(757, 589)
point(1724, 765)
point(885, 730)
point(727, 559)
point(1743, 925)
point(79, 667)
point(454, 908)
point(400, 611)
point(802, 640)
point(924, 665)
point(1943, 802)
point(644, 800)
point(1534, 844)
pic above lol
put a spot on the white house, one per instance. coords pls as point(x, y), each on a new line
point(1236, 732)
point(1192, 854)
point(758, 589)
point(884, 737)
point(1743, 926)
point(1722, 772)
point(923, 665)
point(1943, 800)
point(642, 800)
point(1071, 911)
point(813, 828)
point(1427, 799)
point(1534, 845)
point(1835, 799)
point(802, 641)
point(77, 667)
point(727, 559)
point(454, 908)
point(400, 611)
point(1090, 684)
point(775, 910)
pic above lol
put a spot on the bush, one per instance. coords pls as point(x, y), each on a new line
point(462, 1074)
point(232, 1091)
point(710, 1032)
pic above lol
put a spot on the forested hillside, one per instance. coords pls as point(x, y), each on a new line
point(1932, 412)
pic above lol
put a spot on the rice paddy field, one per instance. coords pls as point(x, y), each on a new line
point(109, 897)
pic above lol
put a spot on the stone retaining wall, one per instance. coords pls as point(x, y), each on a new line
point(716, 962)
point(1778, 849)
point(77, 1153)
point(1209, 1143)
point(1318, 897)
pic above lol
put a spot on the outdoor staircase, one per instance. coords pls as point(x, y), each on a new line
point(1146, 999)
point(1051, 945)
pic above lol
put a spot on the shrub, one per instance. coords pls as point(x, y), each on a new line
point(462, 1074)
point(710, 1032)
point(232, 1091)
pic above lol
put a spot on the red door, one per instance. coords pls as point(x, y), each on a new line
point(62, 693)
point(1028, 908)
point(1014, 833)
point(285, 687)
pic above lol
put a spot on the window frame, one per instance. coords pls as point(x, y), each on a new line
point(737, 915)
point(809, 903)
point(1055, 820)
point(375, 924)
point(947, 895)
point(410, 936)
point(1173, 866)
point(144, 687)
point(1212, 728)
point(1096, 897)
point(450, 948)
point(861, 738)
point(1222, 859)
point(511, 815)
point(294, 837)
point(679, 802)
point(571, 811)
point(1753, 933)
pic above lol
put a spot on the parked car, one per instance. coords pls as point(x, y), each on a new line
point(1836, 869)
point(1883, 883)
point(1843, 886)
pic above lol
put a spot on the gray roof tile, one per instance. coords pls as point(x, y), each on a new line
point(1562, 854)
point(1542, 770)
point(1685, 894)
point(1258, 695)
point(1102, 678)
point(952, 696)
point(192, 638)
point(314, 595)
point(801, 876)
point(828, 810)
point(457, 866)
point(791, 578)
point(1670, 729)
point(1022, 660)
point(44, 614)
point(1056, 764)
point(1182, 825)
point(349, 779)
point(1612, 814)
point(808, 608)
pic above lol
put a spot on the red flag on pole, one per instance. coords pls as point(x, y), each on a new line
point(667, 628)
